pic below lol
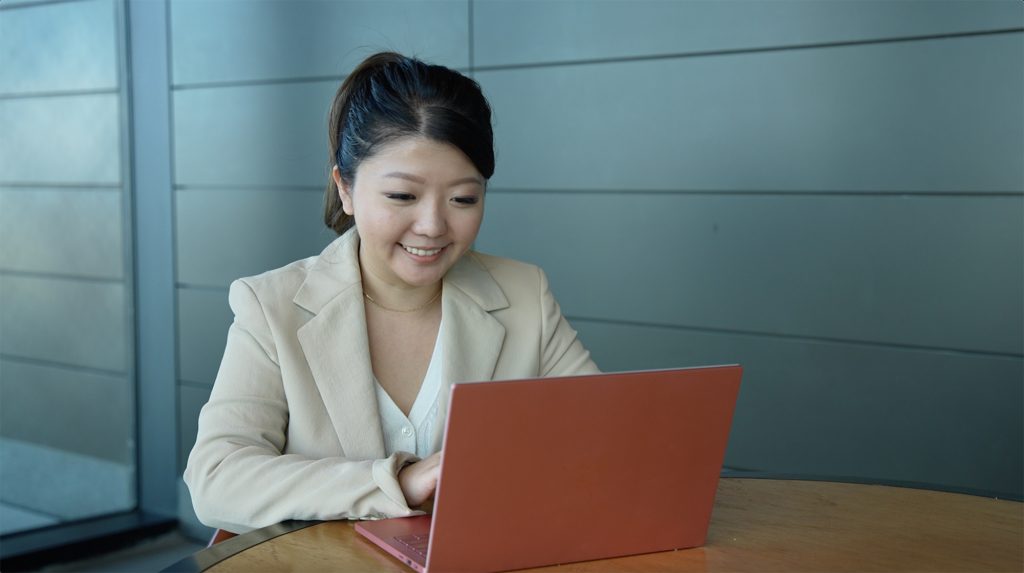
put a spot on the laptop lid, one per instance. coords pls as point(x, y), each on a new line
point(557, 470)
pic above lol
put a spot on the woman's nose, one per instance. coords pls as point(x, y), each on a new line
point(430, 221)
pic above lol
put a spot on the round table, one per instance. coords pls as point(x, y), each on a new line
point(757, 525)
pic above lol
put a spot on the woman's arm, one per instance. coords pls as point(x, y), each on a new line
point(237, 475)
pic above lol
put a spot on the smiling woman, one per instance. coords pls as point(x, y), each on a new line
point(420, 205)
point(332, 394)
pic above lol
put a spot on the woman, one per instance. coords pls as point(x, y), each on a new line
point(331, 397)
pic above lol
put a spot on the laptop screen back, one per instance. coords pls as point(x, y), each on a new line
point(559, 470)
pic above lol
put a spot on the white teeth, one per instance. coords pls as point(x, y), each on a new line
point(422, 252)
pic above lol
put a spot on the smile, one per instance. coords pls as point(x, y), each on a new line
point(422, 252)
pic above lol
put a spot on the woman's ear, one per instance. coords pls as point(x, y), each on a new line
point(344, 192)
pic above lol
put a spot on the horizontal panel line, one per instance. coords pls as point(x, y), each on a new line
point(36, 3)
point(34, 188)
point(740, 51)
point(237, 187)
point(62, 365)
point(796, 337)
point(63, 93)
point(337, 78)
point(765, 192)
point(261, 82)
point(60, 276)
point(10, 185)
point(194, 384)
point(744, 192)
point(712, 330)
point(193, 286)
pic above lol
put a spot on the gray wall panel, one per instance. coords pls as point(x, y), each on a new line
point(241, 40)
point(79, 51)
point(915, 116)
point(560, 31)
point(822, 408)
point(73, 139)
point(203, 320)
point(905, 117)
point(66, 321)
point(253, 135)
point(190, 402)
point(93, 411)
point(225, 234)
point(931, 271)
point(62, 231)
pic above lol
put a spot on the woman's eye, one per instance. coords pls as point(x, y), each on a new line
point(400, 196)
point(466, 200)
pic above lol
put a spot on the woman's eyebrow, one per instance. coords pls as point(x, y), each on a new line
point(406, 176)
point(465, 180)
point(421, 181)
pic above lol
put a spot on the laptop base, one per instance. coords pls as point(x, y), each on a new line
point(387, 534)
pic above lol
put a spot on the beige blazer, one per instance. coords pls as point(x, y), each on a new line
point(292, 429)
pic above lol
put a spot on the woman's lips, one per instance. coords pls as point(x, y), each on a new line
point(424, 255)
point(422, 252)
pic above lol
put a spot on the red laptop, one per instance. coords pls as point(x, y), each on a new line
point(557, 470)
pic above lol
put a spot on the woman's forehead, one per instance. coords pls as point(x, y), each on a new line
point(420, 160)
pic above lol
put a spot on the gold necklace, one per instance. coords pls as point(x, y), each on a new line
point(420, 307)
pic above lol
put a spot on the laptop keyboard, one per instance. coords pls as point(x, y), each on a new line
point(416, 543)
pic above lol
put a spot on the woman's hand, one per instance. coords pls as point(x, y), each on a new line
point(419, 480)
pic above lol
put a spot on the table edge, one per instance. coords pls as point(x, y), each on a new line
point(206, 558)
point(210, 556)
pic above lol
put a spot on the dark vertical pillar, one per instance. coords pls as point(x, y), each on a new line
point(153, 200)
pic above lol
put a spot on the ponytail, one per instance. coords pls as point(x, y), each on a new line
point(335, 216)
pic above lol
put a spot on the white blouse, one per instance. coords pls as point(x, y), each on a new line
point(413, 433)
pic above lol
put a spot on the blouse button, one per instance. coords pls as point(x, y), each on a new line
point(406, 431)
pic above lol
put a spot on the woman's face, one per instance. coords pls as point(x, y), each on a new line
point(417, 205)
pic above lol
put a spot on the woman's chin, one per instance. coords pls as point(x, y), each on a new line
point(418, 278)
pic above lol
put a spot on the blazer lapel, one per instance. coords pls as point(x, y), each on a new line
point(472, 338)
point(337, 350)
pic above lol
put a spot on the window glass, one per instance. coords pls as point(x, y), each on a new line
point(67, 437)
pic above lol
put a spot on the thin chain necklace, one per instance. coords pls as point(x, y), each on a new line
point(420, 307)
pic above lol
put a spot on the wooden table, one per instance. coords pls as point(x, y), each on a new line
point(757, 525)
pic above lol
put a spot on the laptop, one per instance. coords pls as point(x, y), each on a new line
point(559, 470)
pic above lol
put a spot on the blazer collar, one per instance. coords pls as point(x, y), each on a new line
point(336, 346)
point(335, 271)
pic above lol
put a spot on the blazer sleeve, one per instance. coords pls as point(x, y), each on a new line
point(562, 353)
point(238, 476)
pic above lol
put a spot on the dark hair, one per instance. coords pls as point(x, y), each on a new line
point(390, 96)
